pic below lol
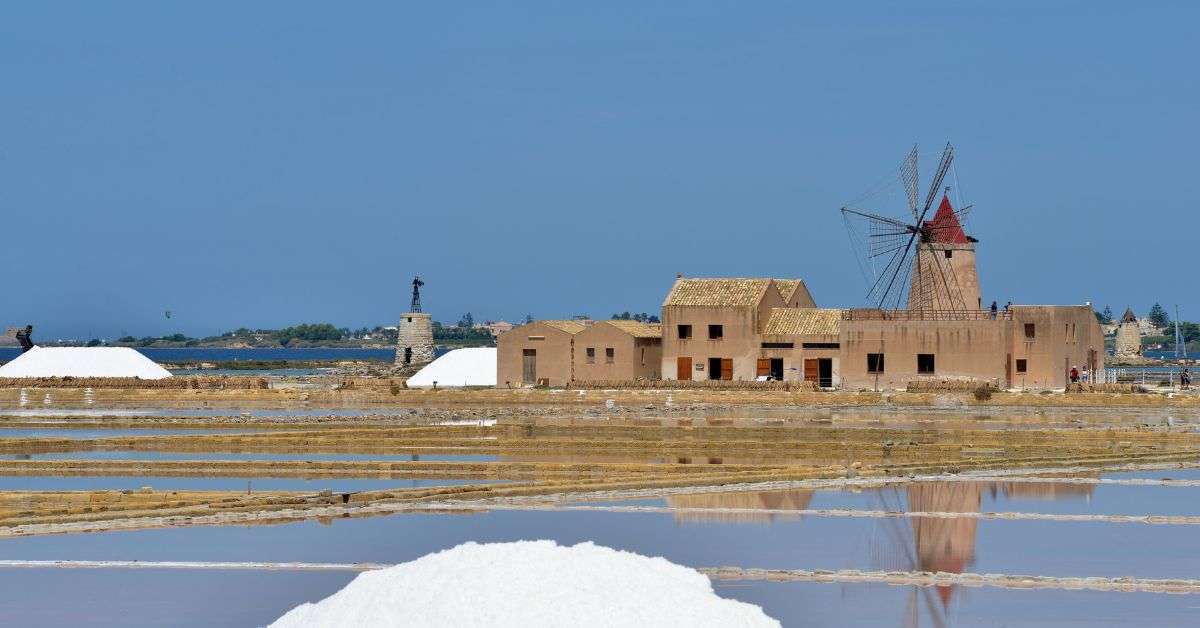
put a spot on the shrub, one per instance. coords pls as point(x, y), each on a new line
point(983, 393)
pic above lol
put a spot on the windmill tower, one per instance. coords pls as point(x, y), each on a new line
point(414, 334)
point(919, 264)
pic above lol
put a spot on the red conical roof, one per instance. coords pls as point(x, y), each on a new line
point(945, 227)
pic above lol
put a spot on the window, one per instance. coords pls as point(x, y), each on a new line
point(1030, 331)
point(591, 355)
point(778, 345)
point(874, 362)
point(716, 332)
point(1022, 365)
point(410, 319)
point(685, 332)
point(949, 254)
point(537, 337)
point(821, 345)
point(609, 354)
point(925, 363)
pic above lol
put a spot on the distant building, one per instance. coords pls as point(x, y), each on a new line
point(1129, 336)
point(495, 328)
point(9, 339)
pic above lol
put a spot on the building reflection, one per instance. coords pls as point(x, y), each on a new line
point(696, 503)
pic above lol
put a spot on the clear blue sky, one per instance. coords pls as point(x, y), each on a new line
point(263, 164)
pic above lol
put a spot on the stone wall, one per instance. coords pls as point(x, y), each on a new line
point(1129, 340)
point(414, 344)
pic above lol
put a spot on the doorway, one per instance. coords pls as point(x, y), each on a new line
point(777, 369)
point(408, 355)
point(529, 366)
point(683, 368)
point(714, 368)
point(819, 370)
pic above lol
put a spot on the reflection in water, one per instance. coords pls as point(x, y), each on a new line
point(896, 544)
point(773, 500)
point(947, 544)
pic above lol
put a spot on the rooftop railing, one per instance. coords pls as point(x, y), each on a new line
point(925, 315)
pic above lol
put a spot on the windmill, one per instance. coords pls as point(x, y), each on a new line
point(919, 264)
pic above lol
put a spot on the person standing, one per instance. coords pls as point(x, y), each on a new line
point(1185, 379)
point(993, 310)
point(1074, 375)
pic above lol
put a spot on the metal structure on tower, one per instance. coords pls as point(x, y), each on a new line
point(416, 298)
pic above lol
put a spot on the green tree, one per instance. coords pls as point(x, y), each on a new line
point(467, 321)
point(1105, 317)
point(94, 342)
point(1158, 316)
point(528, 318)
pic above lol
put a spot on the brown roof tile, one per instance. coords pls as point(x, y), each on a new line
point(717, 292)
point(571, 327)
point(803, 321)
point(637, 329)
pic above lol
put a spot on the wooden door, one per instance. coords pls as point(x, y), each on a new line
point(683, 368)
point(812, 369)
point(1008, 370)
point(726, 368)
point(529, 366)
point(764, 366)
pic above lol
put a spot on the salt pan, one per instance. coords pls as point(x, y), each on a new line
point(529, 583)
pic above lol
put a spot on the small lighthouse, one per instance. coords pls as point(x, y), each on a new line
point(414, 342)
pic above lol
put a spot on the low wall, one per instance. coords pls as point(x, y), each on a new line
point(948, 385)
point(709, 384)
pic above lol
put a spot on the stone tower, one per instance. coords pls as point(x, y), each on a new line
point(1129, 336)
point(944, 276)
point(414, 334)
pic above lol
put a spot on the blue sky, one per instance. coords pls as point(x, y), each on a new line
point(264, 164)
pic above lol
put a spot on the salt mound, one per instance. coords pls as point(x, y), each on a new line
point(83, 362)
point(460, 367)
point(529, 583)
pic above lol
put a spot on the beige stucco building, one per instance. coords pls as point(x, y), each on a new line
point(617, 351)
point(711, 326)
point(541, 352)
point(802, 344)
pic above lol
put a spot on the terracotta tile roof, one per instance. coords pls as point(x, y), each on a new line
point(803, 321)
point(637, 329)
point(717, 292)
point(571, 327)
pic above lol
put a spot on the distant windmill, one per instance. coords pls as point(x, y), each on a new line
point(916, 263)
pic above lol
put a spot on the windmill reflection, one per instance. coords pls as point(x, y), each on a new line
point(944, 544)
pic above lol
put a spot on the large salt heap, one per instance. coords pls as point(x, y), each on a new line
point(529, 583)
point(461, 367)
point(83, 362)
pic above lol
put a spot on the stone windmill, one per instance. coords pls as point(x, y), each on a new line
point(414, 334)
point(918, 263)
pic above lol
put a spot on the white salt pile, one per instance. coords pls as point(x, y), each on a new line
point(529, 583)
point(83, 362)
point(461, 367)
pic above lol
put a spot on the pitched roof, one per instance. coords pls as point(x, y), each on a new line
point(1129, 317)
point(637, 329)
point(717, 292)
point(945, 226)
point(803, 321)
point(787, 287)
point(571, 327)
